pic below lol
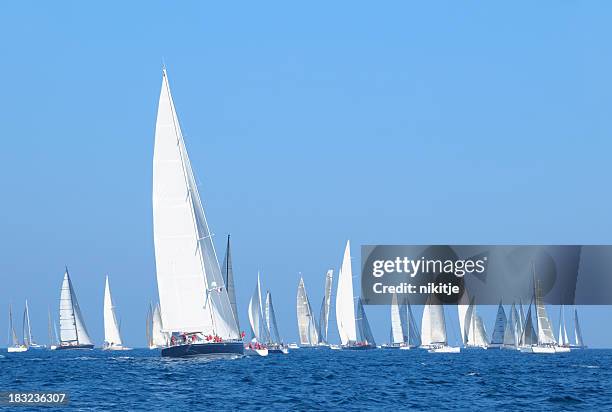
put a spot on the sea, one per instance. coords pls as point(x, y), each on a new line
point(314, 379)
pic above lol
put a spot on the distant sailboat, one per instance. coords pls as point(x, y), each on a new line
point(562, 338)
point(325, 306)
point(52, 330)
point(512, 333)
point(112, 336)
point(399, 325)
point(307, 325)
point(258, 327)
point(73, 333)
point(195, 306)
point(27, 330)
point(275, 343)
point(433, 328)
point(578, 341)
point(156, 337)
point(14, 344)
point(345, 310)
point(471, 327)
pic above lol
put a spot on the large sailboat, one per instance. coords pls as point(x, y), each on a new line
point(112, 336)
point(259, 330)
point(433, 328)
point(348, 323)
point(28, 340)
point(14, 344)
point(325, 306)
point(73, 333)
point(195, 307)
point(471, 326)
point(307, 325)
point(275, 343)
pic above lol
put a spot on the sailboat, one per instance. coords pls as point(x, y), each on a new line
point(562, 338)
point(399, 325)
point(14, 344)
point(499, 328)
point(471, 326)
point(156, 337)
point(545, 340)
point(112, 336)
point(413, 337)
point(324, 314)
point(258, 327)
point(433, 328)
point(195, 306)
point(27, 330)
point(275, 343)
point(307, 325)
point(512, 332)
point(578, 341)
point(73, 333)
point(228, 278)
point(52, 330)
point(348, 324)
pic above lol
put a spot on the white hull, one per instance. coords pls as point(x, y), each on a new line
point(538, 349)
point(562, 349)
point(255, 352)
point(52, 347)
point(116, 348)
point(444, 349)
point(14, 349)
point(335, 347)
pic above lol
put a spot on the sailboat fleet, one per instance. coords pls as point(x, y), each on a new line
point(197, 313)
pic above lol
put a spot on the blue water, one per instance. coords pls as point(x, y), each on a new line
point(317, 379)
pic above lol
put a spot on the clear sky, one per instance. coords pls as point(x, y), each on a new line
point(307, 125)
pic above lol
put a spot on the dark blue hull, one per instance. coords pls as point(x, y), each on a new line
point(211, 350)
point(60, 347)
point(358, 347)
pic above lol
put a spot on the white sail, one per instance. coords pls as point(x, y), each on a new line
point(433, 325)
point(256, 319)
point(112, 337)
point(325, 305)
point(12, 335)
point(345, 304)
point(228, 278)
point(191, 289)
point(306, 322)
point(271, 325)
point(511, 333)
point(478, 334)
point(545, 333)
point(463, 307)
point(397, 327)
point(158, 336)
point(577, 330)
point(499, 329)
point(27, 328)
point(72, 326)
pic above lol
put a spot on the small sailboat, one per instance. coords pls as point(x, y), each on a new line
point(307, 324)
point(471, 327)
point(27, 330)
point(14, 344)
point(52, 330)
point(433, 328)
point(562, 339)
point(156, 337)
point(578, 341)
point(73, 333)
point(499, 328)
point(275, 343)
point(345, 310)
point(258, 327)
point(399, 325)
point(324, 314)
point(194, 302)
point(414, 338)
point(112, 336)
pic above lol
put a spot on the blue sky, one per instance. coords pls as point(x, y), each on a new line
point(307, 125)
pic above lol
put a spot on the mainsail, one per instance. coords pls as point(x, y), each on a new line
point(577, 330)
point(27, 328)
point(72, 326)
point(271, 325)
point(512, 333)
point(228, 278)
point(158, 336)
point(12, 335)
point(189, 281)
point(111, 327)
point(414, 339)
point(363, 325)
point(563, 339)
point(433, 325)
point(499, 329)
point(545, 333)
point(325, 305)
point(345, 305)
point(528, 337)
point(398, 325)
point(306, 323)
point(464, 312)
point(258, 327)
